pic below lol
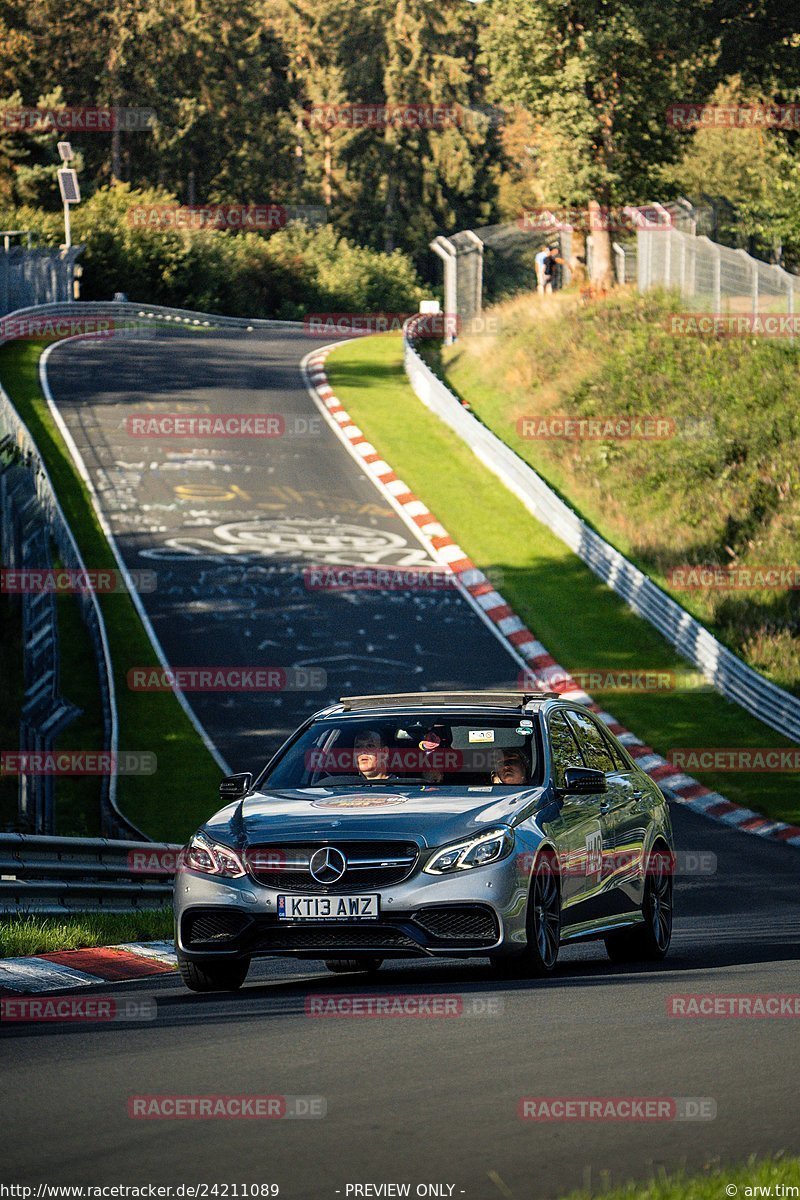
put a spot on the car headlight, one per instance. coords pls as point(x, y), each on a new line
point(475, 852)
point(210, 858)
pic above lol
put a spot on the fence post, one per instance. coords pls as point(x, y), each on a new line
point(478, 298)
point(6, 301)
point(789, 298)
point(717, 279)
point(643, 243)
point(753, 264)
point(691, 285)
point(668, 258)
point(446, 251)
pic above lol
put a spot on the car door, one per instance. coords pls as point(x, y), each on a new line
point(632, 824)
point(577, 829)
point(623, 829)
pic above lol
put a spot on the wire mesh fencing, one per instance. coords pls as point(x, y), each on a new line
point(715, 278)
point(653, 246)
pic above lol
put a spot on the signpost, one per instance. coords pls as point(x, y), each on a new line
point(69, 188)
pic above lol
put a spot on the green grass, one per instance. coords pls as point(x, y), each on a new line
point(580, 621)
point(710, 1184)
point(169, 804)
point(23, 935)
point(723, 490)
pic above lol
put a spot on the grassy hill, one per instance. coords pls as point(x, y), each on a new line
point(722, 488)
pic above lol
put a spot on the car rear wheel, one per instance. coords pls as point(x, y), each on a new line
point(340, 966)
point(544, 926)
point(213, 976)
point(649, 942)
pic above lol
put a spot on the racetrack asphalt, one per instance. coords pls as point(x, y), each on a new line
point(230, 526)
point(418, 1100)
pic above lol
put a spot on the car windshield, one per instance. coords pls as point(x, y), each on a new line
point(425, 750)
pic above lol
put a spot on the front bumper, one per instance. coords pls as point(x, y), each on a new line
point(440, 929)
point(476, 913)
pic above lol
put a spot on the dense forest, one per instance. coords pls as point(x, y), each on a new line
point(486, 109)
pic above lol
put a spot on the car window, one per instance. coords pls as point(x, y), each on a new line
point(418, 749)
point(620, 761)
point(592, 743)
point(563, 747)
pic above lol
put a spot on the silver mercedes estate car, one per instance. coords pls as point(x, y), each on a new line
point(495, 825)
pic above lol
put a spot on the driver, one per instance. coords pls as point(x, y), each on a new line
point(371, 754)
point(510, 766)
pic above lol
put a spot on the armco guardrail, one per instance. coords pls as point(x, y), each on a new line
point(142, 314)
point(730, 676)
point(113, 820)
point(134, 316)
point(57, 875)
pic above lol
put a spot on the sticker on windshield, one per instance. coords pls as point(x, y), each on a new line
point(481, 736)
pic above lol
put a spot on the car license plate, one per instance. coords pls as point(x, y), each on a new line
point(328, 908)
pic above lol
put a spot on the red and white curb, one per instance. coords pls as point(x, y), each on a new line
point(83, 968)
point(511, 629)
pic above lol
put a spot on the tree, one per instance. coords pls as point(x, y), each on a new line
point(754, 172)
point(440, 179)
point(597, 78)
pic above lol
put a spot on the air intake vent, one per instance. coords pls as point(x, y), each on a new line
point(467, 923)
point(212, 927)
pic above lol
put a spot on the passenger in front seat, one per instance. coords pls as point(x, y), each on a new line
point(510, 767)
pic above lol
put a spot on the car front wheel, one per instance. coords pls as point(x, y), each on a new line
point(544, 926)
point(212, 976)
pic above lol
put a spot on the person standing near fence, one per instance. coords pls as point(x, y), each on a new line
point(541, 269)
point(552, 264)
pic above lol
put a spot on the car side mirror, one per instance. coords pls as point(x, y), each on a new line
point(233, 787)
point(581, 781)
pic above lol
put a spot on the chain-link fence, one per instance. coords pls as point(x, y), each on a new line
point(35, 275)
point(715, 278)
point(483, 266)
point(654, 245)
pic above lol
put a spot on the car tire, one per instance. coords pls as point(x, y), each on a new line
point(213, 976)
point(341, 966)
point(649, 942)
point(539, 957)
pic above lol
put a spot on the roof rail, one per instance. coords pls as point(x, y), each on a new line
point(506, 699)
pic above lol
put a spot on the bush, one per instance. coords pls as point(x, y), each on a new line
point(284, 274)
